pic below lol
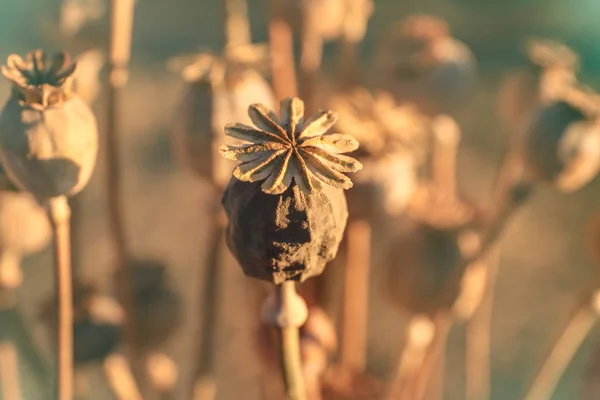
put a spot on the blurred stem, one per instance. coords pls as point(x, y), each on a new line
point(9, 372)
point(435, 354)
point(310, 62)
point(356, 296)
point(209, 305)
point(76, 233)
point(121, 24)
point(59, 215)
point(281, 44)
point(563, 352)
point(291, 363)
point(446, 143)
point(120, 378)
point(419, 335)
point(237, 25)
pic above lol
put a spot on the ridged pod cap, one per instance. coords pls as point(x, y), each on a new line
point(219, 90)
point(48, 135)
point(285, 204)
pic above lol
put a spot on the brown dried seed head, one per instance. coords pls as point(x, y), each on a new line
point(41, 81)
point(289, 147)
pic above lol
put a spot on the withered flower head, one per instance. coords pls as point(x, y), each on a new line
point(290, 147)
point(380, 124)
point(546, 53)
point(423, 26)
point(41, 81)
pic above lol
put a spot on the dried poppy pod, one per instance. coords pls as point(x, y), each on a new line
point(24, 229)
point(551, 68)
point(48, 135)
point(393, 139)
point(285, 204)
point(97, 323)
point(562, 144)
point(219, 90)
point(418, 61)
point(157, 306)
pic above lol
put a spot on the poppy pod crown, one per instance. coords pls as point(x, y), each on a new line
point(41, 81)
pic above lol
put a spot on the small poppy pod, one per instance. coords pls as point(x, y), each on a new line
point(157, 306)
point(423, 263)
point(97, 323)
point(24, 229)
point(551, 68)
point(418, 61)
point(562, 146)
point(285, 205)
point(318, 342)
point(48, 135)
point(219, 91)
point(392, 141)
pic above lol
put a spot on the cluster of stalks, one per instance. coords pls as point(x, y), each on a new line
point(288, 206)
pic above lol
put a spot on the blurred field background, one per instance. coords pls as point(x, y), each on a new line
point(544, 259)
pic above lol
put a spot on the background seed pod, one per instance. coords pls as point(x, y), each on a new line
point(205, 109)
point(49, 152)
point(562, 146)
point(283, 237)
point(418, 61)
point(420, 260)
point(157, 305)
point(96, 326)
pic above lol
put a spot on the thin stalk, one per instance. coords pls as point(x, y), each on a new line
point(291, 363)
point(281, 44)
point(447, 139)
point(419, 335)
point(353, 352)
point(121, 23)
point(59, 215)
point(209, 307)
point(562, 353)
point(9, 372)
point(237, 26)
point(120, 378)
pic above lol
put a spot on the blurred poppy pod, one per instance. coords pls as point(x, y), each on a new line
point(24, 229)
point(48, 135)
point(551, 68)
point(157, 306)
point(562, 145)
point(219, 90)
point(418, 61)
point(285, 204)
point(97, 323)
point(393, 140)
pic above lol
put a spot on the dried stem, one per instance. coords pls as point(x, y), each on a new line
point(120, 378)
point(9, 372)
point(563, 352)
point(209, 306)
point(237, 26)
point(281, 43)
point(356, 296)
point(121, 24)
point(59, 215)
point(420, 333)
point(446, 141)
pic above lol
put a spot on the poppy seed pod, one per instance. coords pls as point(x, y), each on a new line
point(157, 305)
point(420, 62)
point(48, 135)
point(97, 323)
point(285, 204)
point(562, 146)
point(24, 229)
point(219, 91)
